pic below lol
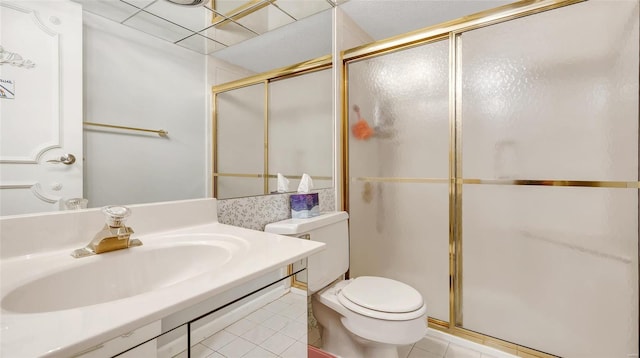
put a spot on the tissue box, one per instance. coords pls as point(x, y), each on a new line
point(304, 205)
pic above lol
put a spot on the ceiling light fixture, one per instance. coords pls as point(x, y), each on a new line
point(189, 2)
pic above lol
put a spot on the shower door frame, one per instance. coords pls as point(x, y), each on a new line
point(450, 31)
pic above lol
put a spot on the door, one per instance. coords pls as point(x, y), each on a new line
point(40, 105)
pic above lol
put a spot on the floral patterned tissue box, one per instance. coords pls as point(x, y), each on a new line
point(304, 205)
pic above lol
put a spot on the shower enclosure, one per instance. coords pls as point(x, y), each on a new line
point(501, 179)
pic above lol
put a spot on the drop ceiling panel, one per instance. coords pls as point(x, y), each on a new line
point(110, 9)
point(193, 18)
point(229, 8)
point(138, 3)
point(266, 19)
point(228, 33)
point(301, 9)
point(158, 27)
point(200, 44)
point(240, 20)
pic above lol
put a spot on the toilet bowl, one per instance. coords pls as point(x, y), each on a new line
point(364, 317)
point(355, 329)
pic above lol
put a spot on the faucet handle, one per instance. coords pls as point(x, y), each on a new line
point(116, 215)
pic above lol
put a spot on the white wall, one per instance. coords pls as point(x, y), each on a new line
point(133, 79)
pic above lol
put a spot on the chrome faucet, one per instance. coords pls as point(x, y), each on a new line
point(115, 235)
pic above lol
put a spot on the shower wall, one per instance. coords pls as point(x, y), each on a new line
point(542, 186)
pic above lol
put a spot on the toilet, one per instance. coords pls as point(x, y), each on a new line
point(366, 316)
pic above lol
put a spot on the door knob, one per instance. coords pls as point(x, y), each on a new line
point(67, 159)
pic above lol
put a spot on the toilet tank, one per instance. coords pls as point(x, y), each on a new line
point(330, 228)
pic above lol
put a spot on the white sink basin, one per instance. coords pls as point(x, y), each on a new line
point(164, 261)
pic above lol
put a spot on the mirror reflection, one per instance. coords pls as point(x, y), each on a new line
point(281, 125)
point(129, 65)
point(204, 26)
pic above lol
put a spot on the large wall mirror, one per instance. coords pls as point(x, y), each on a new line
point(123, 86)
point(147, 68)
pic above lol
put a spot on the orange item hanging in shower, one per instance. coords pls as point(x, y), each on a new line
point(361, 129)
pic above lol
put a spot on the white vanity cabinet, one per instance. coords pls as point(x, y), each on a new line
point(264, 315)
point(270, 322)
point(146, 350)
point(143, 338)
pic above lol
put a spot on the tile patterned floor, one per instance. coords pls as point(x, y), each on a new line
point(277, 330)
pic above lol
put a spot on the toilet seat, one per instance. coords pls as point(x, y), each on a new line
point(381, 298)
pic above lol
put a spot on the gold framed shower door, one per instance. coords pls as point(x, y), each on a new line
point(450, 31)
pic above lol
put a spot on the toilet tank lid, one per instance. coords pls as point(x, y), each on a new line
point(300, 226)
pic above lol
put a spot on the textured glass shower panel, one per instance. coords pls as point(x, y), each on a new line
point(403, 98)
point(400, 231)
point(552, 268)
point(301, 127)
point(553, 95)
point(240, 139)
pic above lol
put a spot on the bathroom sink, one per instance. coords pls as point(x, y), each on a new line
point(186, 258)
point(161, 262)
